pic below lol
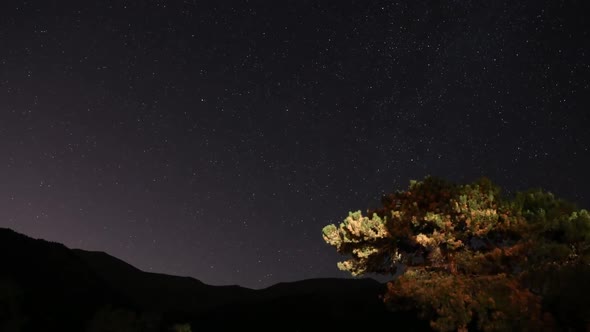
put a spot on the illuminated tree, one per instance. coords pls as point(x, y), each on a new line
point(464, 256)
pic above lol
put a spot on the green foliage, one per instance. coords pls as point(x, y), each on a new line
point(181, 328)
point(123, 320)
point(467, 244)
point(358, 236)
point(110, 319)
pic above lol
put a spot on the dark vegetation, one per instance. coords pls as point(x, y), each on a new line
point(461, 257)
point(45, 286)
point(467, 257)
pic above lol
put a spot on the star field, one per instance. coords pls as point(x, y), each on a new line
point(216, 140)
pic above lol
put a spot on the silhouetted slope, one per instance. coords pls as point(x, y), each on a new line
point(160, 292)
point(45, 286)
point(314, 304)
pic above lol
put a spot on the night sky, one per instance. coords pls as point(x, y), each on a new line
point(215, 139)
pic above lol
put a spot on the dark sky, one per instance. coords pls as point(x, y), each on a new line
point(215, 139)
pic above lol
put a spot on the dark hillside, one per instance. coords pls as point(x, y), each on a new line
point(46, 286)
point(160, 292)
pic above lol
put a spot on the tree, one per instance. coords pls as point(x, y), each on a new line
point(181, 328)
point(109, 319)
point(117, 319)
point(463, 255)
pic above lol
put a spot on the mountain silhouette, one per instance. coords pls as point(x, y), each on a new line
point(46, 286)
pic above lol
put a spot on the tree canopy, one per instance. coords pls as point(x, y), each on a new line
point(464, 256)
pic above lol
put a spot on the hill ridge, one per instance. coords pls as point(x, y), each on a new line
point(57, 288)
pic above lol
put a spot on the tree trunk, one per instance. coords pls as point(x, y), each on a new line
point(452, 263)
